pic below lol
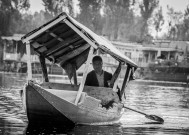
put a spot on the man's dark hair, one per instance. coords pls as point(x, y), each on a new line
point(96, 58)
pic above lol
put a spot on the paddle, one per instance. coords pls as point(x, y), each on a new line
point(152, 117)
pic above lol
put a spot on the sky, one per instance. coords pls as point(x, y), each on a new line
point(177, 5)
point(36, 5)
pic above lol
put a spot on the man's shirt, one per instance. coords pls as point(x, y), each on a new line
point(100, 79)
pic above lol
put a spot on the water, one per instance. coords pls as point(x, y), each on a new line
point(170, 102)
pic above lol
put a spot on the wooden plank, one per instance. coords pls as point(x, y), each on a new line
point(60, 46)
point(117, 79)
point(29, 68)
point(54, 39)
point(72, 54)
point(90, 55)
point(75, 44)
point(81, 33)
point(44, 28)
point(75, 77)
point(55, 36)
point(115, 76)
point(126, 80)
point(44, 68)
point(36, 45)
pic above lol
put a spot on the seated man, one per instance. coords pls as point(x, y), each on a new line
point(98, 77)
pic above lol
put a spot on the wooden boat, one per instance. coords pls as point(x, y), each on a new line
point(69, 44)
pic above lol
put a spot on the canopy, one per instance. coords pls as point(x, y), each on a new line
point(66, 42)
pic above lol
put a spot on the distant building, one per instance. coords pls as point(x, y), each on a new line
point(15, 58)
point(141, 54)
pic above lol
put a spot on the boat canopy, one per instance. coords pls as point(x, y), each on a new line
point(66, 42)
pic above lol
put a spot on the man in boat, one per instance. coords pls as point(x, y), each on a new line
point(98, 77)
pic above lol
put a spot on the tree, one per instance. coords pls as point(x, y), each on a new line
point(146, 9)
point(9, 13)
point(175, 23)
point(90, 14)
point(185, 28)
point(10, 10)
point(30, 22)
point(119, 17)
point(158, 20)
point(55, 7)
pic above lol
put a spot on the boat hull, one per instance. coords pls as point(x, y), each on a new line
point(39, 111)
point(42, 106)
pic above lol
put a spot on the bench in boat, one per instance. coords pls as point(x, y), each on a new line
point(102, 93)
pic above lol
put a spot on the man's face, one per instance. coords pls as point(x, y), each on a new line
point(97, 65)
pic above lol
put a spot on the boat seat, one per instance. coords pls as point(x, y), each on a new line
point(59, 86)
point(67, 95)
point(102, 93)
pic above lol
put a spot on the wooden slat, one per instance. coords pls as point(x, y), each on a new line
point(59, 46)
point(75, 77)
point(63, 50)
point(54, 39)
point(115, 76)
point(42, 49)
point(126, 80)
point(36, 45)
point(115, 87)
point(72, 54)
point(79, 32)
point(44, 68)
point(33, 35)
point(29, 70)
point(55, 36)
point(84, 75)
point(43, 38)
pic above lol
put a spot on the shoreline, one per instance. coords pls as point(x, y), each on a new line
point(22, 77)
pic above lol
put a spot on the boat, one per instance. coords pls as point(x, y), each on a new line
point(69, 44)
point(167, 70)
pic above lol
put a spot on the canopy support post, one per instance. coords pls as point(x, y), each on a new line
point(84, 75)
point(115, 75)
point(116, 82)
point(75, 77)
point(44, 68)
point(29, 68)
point(126, 79)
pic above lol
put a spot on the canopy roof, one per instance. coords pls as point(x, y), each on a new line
point(63, 40)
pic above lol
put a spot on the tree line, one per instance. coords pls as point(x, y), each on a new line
point(123, 20)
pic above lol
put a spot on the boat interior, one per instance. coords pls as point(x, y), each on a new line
point(104, 94)
point(67, 43)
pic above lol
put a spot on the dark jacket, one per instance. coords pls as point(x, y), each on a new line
point(91, 79)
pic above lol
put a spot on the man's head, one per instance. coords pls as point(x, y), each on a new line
point(97, 64)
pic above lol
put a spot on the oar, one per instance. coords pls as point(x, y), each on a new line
point(152, 117)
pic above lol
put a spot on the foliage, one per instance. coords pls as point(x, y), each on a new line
point(55, 7)
point(158, 20)
point(90, 14)
point(179, 25)
point(113, 18)
point(9, 12)
point(146, 8)
point(119, 18)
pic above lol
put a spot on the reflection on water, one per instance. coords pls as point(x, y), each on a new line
point(169, 103)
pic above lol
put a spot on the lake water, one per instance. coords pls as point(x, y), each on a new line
point(166, 100)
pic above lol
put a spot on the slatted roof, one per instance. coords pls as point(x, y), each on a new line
point(63, 40)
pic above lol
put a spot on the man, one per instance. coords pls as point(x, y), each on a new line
point(98, 77)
